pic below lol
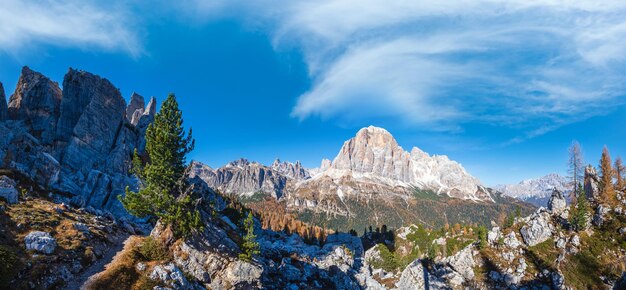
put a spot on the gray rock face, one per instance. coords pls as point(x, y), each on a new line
point(592, 181)
point(41, 242)
point(136, 105)
point(463, 262)
point(557, 203)
point(87, 152)
point(600, 215)
point(211, 259)
point(4, 111)
point(374, 154)
point(511, 241)
point(171, 276)
point(7, 189)
point(412, 277)
point(242, 177)
point(92, 115)
point(36, 101)
point(291, 170)
point(538, 228)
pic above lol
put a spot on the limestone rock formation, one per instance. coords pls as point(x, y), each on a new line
point(592, 182)
point(538, 228)
point(243, 178)
point(135, 106)
point(374, 155)
point(41, 242)
point(557, 204)
point(7, 189)
point(4, 111)
point(36, 101)
point(291, 170)
point(77, 140)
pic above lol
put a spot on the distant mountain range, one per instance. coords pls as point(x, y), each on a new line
point(536, 191)
point(371, 181)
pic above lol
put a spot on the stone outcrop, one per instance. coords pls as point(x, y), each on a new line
point(538, 228)
point(7, 189)
point(557, 204)
point(4, 111)
point(592, 181)
point(135, 107)
point(36, 101)
point(77, 140)
point(41, 242)
point(171, 276)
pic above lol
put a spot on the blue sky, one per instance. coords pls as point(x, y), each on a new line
point(503, 87)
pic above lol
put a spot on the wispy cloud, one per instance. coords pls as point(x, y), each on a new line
point(530, 65)
point(67, 23)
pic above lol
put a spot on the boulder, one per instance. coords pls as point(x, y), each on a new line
point(7, 190)
point(4, 112)
point(511, 240)
point(557, 204)
point(538, 228)
point(463, 262)
point(600, 215)
point(36, 101)
point(41, 242)
point(412, 277)
point(494, 235)
point(171, 276)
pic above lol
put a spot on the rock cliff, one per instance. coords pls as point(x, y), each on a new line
point(77, 140)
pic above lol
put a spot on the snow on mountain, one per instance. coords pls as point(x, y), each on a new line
point(537, 190)
point(374, 155)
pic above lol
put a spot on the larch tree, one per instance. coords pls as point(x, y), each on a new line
point(576, 164)
point(163, 191)
point(619, 170)
point(607, 191)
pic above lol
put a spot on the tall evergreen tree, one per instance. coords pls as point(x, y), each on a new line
point(607, 192)
point(578, 216)
point(250, 246)
point(620, 183)
point(163, 191)
point(576, 165)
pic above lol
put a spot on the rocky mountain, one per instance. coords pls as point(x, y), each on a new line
point(372, 180)
point(77, 139)
point(536, 191)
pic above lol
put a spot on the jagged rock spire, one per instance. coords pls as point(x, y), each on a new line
point(4, 113)
point(134, 107)
point(36, 101)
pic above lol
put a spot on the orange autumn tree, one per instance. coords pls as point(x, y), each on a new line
point(607, 192)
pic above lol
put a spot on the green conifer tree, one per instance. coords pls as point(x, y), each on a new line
point(250, 246)
point(579, 210)
point(163, 187)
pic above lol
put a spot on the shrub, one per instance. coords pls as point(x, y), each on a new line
point(152, 250)
point(8, 261)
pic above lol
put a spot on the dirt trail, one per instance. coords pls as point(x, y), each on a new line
point(99, 266)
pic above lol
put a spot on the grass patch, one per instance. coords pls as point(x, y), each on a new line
point(121, 272)
point(152, 250)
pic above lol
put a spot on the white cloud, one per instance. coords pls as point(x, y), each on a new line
point(530, 65)
point(24, 23)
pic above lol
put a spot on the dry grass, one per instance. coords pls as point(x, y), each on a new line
point(121, 273)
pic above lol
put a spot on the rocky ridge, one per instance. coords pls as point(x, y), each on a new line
point(536, 191)
point(76, 140)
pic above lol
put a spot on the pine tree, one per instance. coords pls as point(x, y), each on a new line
point(249, 247)
point(620, 183)
point(163, 191)
point(607, 192)
point(482, 237)
point(578, 216)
